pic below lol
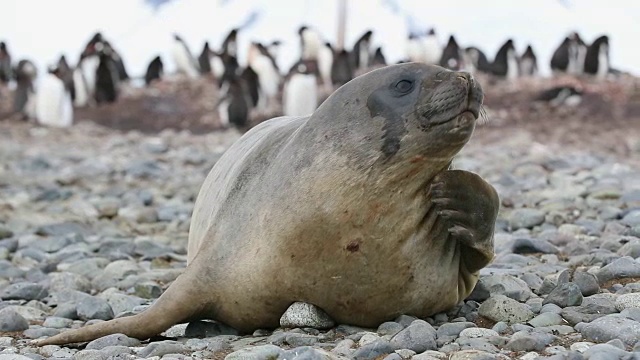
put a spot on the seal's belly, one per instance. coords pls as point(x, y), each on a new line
point(360, 280)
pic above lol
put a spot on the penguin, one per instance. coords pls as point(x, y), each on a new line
point(230, 43)
point(24, 101)
point(204, 59)
point(431, 47)
point(528, 63)
point(300, 95)
point(268, 76)
point(155, 71)
point(569, 57)
point(184, 61)
point(5, 64)
point(341, 69)
point(476, 60)
point(560, 58)
point(118, 62)
point(84, 75)
point(361, 52)
point(234, 104)
point(310, 43)
point(325, 62)
point(561, 96)
point(107, 77)
point(224, 63)
point(452, 55)
point(211, 62)
point(415, 49)
point(597, 58)
point(66, 74)
point(505, 63)
point(378, 58)
point(53, 102)
point(252, 82)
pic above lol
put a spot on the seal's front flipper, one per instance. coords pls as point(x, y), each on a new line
point(469, 206)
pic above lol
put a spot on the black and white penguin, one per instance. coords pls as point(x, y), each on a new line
point(561, 96)
point(432, 48)
point(230, 43)
point(476, 61)
point(252, 82)
point(310, 43)
point(65, 73)
point(155, 70)
point(528, 63)
point(325, 62)
point(452, 55)
point(84, 75)
point(53, 102)
point(569, 57)
point(378, 58)
point(205, 58)
point(505, 63)
point(185, 62)
point(24, 100)
point(107, 77)
point(361, 52)
point(212, 63)
point(268, 76)
point(597, 61)
point(341, 69)
point(5, 64)
point(117, 60)
point(300, 95)
point(235, 102)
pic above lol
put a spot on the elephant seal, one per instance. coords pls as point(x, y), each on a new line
point(353, 209)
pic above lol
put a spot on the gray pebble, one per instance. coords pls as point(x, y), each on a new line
point(587, 282)
point(624, 267)
point(564, 295)
point(627, 301)
point(301, 314)
point(94, 308)
point(546, 319)
point(405, 320)
point(57, 322)
point(525, 218)
point(389, 328)
point(68, 311)
point(507, 285)
point(374, 350)
point(37, 333)
point(112, 340)
point(256, 353)
point(10, 321)
point(453, 329)
point(419, 337)
point(502, 308)
point(612, 327)
point(24, 291)
point(161, 348)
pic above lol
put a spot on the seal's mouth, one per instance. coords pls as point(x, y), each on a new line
point(458, 99)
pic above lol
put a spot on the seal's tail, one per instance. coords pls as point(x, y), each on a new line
point(182, 300)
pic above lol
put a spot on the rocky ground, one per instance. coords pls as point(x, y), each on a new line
point(94, 223)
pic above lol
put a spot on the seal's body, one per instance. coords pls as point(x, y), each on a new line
point(353, 209)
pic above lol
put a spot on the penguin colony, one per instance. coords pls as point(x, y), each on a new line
point(260, 85)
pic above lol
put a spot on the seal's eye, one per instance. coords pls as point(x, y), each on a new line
point(404, 86)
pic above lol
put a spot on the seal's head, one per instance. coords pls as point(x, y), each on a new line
point(409, 109)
